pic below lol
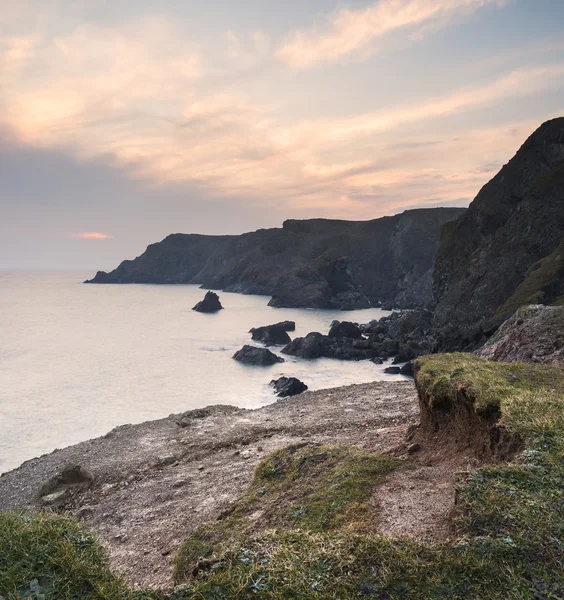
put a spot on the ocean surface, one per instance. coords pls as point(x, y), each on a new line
point(77, 360)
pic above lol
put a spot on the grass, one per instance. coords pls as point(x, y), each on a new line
point(304, 528)
point(540, 277)
point(52, 557)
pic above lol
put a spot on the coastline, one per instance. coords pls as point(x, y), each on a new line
point(157, 481)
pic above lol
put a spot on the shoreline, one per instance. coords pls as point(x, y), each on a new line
point(155, 482)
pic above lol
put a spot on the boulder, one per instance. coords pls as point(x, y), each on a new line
point(377, 360)
point(407, 369)
point(315, 345)
point(288, 386)
point(287, 325)
point(210, 304)
point(345, 329)
point(392, 370)
point(271, 335)
point(533, 334)
point(250, 355)
point(308, 347)
point(73, 478)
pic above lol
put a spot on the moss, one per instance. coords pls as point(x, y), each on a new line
point(536, 287)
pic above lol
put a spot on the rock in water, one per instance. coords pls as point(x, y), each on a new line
point(210, 304)
point(272, 335)
point(249, 355)
point(288, 386)
point(392, 370)
point(308, 347)
point(344, 329)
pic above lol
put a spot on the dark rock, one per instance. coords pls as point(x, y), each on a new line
point(344, 329)
point(413, 448)
point(392, 370)
point(73, 478)
point(210, 304)
point(287, 325)
point(389, 258)
point(315, 345)
point(407, 369)
point(506, 250)
point(271, 335)
point(532, 334)
point(249, 355)
point(308, 347)
point(288, 386)
point(377, 360)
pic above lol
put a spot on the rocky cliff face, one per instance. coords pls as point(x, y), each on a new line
point(533, 334)
point(507, 250)
point(390, 259)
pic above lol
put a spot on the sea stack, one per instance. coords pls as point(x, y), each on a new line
point(210, 304)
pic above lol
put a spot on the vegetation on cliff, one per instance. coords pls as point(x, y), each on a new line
point(304, 529)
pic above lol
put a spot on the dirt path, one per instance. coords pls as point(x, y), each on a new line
point(155, 482)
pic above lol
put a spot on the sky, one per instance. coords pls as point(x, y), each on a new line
point(122, 121)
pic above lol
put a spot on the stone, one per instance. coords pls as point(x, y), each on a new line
point(392, 370)
point(210, 304)
point(533, 334)
point(271, 335)
point(377, 360)
point(288, 386)
point(55, 497)
point(345, 329)
point(307, 347)
point(413, 448)
point(179, 483)
point(407, 369)
point(250, 355)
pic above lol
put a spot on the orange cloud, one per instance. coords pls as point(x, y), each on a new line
point(91, 235)
point(354, 31)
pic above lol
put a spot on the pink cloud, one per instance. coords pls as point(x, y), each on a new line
point(91, 235)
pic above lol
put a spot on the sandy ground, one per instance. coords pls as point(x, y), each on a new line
point(157, 481)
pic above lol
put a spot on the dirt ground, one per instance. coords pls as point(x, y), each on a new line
point(157, 481)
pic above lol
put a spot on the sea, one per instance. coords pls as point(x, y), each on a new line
point(77, 360)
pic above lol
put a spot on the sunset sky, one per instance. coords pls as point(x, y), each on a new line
point(122, 121)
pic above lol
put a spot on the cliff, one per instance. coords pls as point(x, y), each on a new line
point(506, 250)
point(389, 259)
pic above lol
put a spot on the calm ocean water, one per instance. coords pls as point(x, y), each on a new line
point(76, 360)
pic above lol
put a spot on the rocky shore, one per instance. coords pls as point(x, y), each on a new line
point(154, 483)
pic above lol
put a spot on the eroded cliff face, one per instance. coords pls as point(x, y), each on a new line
point(507, 250)
point(390, 260)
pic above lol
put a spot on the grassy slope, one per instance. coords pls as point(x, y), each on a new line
point(317, 541)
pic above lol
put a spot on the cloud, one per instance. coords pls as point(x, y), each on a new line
point(347, 31)
point(90, 235)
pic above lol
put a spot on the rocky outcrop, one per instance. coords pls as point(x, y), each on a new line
point(210, 304)
point(340, 329)
point(261, 357)
point(389, 259)
point(315, 345)
point(272, 335)
point(507, 250)
point(288, 386)
point(322, 283)
point(533, 334)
